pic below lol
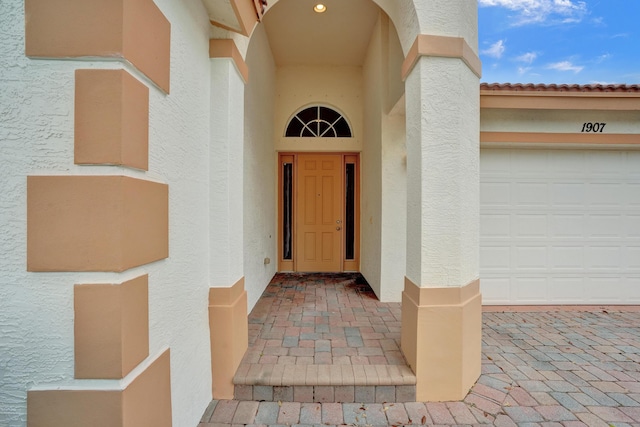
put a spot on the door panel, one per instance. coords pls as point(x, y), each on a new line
point(319, 213)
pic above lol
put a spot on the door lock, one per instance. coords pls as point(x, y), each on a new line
point(338, 222)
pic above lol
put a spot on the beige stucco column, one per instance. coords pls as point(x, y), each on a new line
point(441, 304)
point(227, 296)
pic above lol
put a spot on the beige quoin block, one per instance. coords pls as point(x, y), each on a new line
point(111, 328)
point(135, 30)
point(229, 333)
point(145, 402)
point(111, 119)
point(441, 339)
point(95, 223)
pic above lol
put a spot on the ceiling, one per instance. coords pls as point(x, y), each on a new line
point(339, 36)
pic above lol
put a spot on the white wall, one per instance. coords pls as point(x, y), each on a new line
point(36, 130)
point(260, 232)
point(383, 240)
point(371, 161)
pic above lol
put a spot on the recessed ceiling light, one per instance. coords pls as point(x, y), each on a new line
point(320, 8)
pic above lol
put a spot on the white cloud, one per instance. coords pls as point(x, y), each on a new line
point(523, 70)
point(548, 12)
point(528, 57)
point(565, 66)
point(495, 50)
point(603, 58)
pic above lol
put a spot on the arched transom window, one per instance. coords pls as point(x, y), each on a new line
point(318, 122)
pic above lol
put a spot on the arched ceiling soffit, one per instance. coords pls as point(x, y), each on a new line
point(401, 12)
point(339, 36)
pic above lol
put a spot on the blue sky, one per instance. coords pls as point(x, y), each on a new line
point(560, 41)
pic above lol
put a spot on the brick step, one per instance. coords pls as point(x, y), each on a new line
point(325, 383)
point(327, 394)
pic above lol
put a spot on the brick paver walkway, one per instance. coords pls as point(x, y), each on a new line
point(561, 367)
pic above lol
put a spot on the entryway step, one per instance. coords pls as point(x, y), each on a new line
point(327, 394)
point(325, 383)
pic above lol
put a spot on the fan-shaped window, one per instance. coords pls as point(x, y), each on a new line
point(318, 122)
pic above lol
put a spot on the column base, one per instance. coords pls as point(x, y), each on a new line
point(146, 401)
point(229, 332)
point(442, 339)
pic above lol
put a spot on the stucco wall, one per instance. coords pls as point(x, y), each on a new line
point(303, 86)
point(384, 168)
point(371, 199)
point(260, 238)
point(524, 120)
point(36, 130)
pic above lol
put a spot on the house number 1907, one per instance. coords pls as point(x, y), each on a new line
point(593, 127)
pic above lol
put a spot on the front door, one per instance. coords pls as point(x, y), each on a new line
point(319, 211)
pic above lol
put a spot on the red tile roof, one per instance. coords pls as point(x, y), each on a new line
point(530, 87)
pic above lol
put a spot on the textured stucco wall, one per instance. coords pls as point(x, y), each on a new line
point(383, 169)
point(36, 130)
point(571, 121)
point(303, 86)
point(371, 161)
point(260, 232)
point(442, 107)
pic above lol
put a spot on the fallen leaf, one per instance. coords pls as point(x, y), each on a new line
point(424, 419)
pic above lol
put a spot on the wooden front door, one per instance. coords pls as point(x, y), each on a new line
point(319, 211)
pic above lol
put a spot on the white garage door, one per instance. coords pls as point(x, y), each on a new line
point(560, 226)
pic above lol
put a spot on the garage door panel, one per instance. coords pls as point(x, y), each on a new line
point(603, 257)
point(560, 227)
point(605, 194)
point(495, 225)
point(603, 225)
point(531, 290)
point(632, 226)
point(496, 258)
point(495, 193)
point(567, 225)
point(567, 257)
point(633, 258)
point(531, 257)
point(497, 290)
point(606, 290)
point(564, 290)
point(633, 195)
point(567, 162)
point(606, 163)
point(526, 225)
point(531, 194)
point(568, 194)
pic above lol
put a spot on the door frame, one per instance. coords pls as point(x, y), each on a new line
point(292, 159)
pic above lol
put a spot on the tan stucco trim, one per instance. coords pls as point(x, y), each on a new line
point(543, 138)
point(441, 338)
point(111, 328)
point(133, 30)
point(111, 119)
point(229, 333)
point(247, 15)
point(95, 223)
point(226, 48)
point(145, 402)
point(543, 100)
point(441, 46)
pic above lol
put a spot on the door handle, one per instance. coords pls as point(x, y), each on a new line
point(338, 228)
